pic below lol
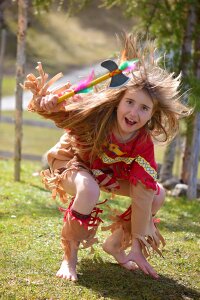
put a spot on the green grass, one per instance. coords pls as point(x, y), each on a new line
point(30, 249)
point(8, 85)
point(36, 140)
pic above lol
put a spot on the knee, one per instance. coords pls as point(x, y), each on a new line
point(162, 194)
point(91, 191)
point(158, 200)
point(88, 188)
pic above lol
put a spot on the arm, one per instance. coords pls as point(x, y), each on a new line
point(142, 226)
point(44, 102)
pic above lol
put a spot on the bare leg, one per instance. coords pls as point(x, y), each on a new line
point(86, 191)
point(112, 246)
point(158, 200)
point(136, 252)
point(137, 256)
point(68, 267)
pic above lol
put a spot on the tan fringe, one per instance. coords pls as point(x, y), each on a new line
point(149, 244)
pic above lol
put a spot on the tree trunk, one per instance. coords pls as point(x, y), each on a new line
point(192, 182)
point(168, 161)
point(169, 156)
point(185, 66)
point(3, 46)
point(2, 54)
point(185, 171)
point(20, 65)
point(192, 178)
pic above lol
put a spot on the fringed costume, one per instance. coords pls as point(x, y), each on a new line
point(132, 161)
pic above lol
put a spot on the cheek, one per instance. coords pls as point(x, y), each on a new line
point(119, 112)
point(145, 117)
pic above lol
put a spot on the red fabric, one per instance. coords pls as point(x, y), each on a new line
point(92, 220)
point(140, 151)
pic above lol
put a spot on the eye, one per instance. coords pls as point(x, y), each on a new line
point(145, 108)
point(129, 101)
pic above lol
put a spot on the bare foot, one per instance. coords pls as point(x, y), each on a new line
point(137, 256)
point(67, 271)
point(68, 267)
point(112, 246)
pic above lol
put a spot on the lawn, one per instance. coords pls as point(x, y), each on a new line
point(36, 140)
point(30, 249)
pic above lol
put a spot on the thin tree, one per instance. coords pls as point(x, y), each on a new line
point(185, 67)
point(20, 65)
point(193, 169)
point(2, 46)
point(166, 170)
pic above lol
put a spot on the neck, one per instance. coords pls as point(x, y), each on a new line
point(121, 138)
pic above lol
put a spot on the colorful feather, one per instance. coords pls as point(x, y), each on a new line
point(128, 65)
point(83, 85)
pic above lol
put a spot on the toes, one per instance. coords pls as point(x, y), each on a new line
point(134, 266)
point(144, 265)
point(152, 272)
point(74, 278)
point(130, 265)
point(58, 274)
point(67, 275)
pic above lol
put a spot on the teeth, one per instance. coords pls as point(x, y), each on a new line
point(130, 122)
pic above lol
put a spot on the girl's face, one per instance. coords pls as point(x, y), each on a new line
point(133, 112)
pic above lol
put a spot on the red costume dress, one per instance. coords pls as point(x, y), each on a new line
point(132, 161)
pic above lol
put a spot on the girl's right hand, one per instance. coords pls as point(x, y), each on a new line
point(49, 103)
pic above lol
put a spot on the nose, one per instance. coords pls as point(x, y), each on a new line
point(134, 111)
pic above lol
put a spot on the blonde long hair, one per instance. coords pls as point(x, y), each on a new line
point(93, 119)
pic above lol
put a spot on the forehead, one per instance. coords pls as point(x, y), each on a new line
point(139, 95)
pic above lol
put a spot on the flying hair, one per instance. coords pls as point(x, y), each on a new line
point(92, 119)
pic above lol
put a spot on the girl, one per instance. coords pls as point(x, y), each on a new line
point(108, 145)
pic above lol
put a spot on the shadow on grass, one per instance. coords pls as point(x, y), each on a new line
point(34, 207)
point(37, 186)
point(110, 280)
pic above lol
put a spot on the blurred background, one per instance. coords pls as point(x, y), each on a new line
point(74, 37)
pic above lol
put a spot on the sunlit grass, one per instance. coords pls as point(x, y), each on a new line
point(30, 249)
point(35, 140)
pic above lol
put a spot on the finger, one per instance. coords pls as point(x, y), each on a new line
point(143, 265)
point(67, 85)
point(152, 272)
point(77, 98)
point(42, 103)
point(143, 268)
point(49, 102)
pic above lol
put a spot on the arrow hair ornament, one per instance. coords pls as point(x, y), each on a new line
point(115, 72)
point(39, 86)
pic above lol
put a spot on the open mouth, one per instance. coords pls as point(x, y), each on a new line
point(130, 123)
